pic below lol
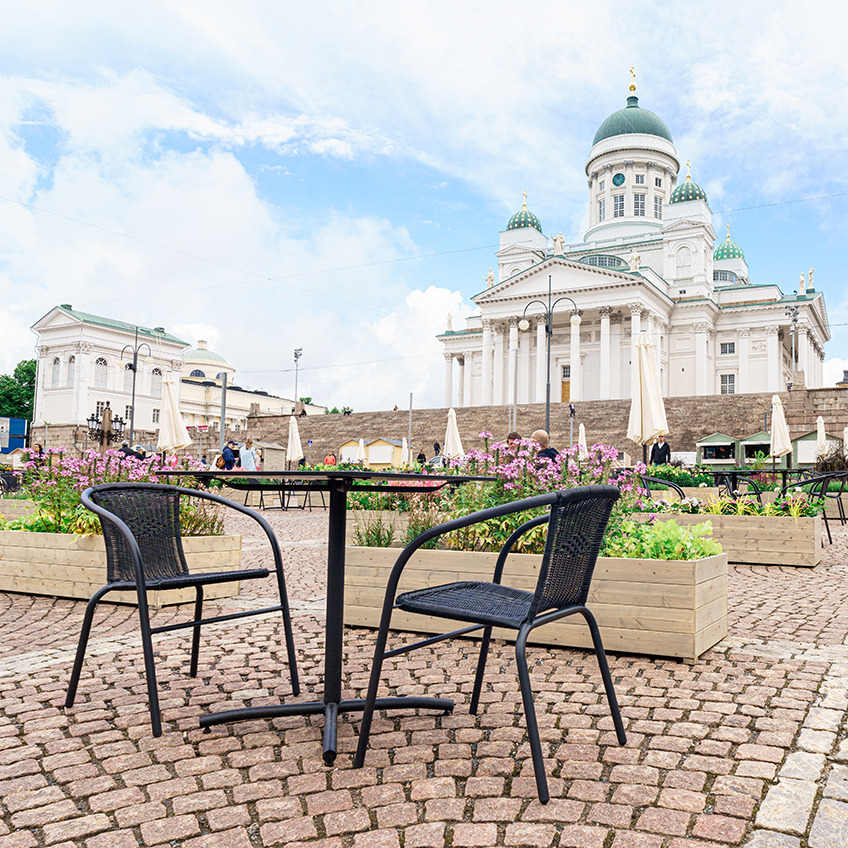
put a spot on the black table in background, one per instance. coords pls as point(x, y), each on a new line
point(337, 484)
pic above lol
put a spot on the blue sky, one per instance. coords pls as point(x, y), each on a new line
point(269, 176)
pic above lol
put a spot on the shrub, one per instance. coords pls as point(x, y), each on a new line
point(660, 540)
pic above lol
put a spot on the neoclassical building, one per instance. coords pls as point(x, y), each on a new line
point(648, 262)
point(85, 360)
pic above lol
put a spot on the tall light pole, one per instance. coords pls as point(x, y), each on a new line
point(524, 325)
point(135, 347)
point(792, 314)
point(297, 354)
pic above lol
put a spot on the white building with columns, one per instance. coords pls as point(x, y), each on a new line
point(648, 262)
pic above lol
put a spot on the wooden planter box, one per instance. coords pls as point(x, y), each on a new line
point(67, 566)
point(703, 493)
point(12, 509)
point(761, 539)
point(653, 607)
point(364, 517)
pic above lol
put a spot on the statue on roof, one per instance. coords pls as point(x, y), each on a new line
point(559, 244)
point(810, 280)
point(450, 322)
point(635, 261)
point(802, 285)
point(490, 279)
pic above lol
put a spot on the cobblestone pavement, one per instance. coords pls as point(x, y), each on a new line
point(746, 747)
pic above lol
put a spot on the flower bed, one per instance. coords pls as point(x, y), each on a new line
point(13, 509)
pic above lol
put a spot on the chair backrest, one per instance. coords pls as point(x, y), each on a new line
point(152, 513)
point(575, 531)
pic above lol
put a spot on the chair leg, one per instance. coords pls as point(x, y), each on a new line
point(373, 685)
point(605, 674)
point(287, 630)
point(481, 668)
point(827, 525)
point(530, 715)
point(195, 637)
point(149, 666)
point(85, 631)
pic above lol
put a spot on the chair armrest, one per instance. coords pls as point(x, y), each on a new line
point(506, 550)
point(668, 483)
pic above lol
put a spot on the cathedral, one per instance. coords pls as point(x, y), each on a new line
point(648, 263)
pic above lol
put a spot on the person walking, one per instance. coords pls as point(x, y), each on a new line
point(247, 456)
point(541, 438)
point(660, 452)
point(421, 458)
point(229, 456)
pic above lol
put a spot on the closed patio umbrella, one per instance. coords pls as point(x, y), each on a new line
point(360, 452)
point(404, 452)
point(647, 410)
point(173, 435)
point(294, 450)
point(821, 437)
point(845, 440)
point(453, 444)
point(582, 447)
point(780, 444)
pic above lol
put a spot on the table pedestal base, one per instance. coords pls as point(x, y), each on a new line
point(331, 712)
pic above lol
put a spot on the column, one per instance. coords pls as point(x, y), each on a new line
point(576, 361)
point(541, 359)
point(635, 329)
point(701, 387)
point(774, 369)
point(499, 396)
point(803, 344)
point(656, 330)
point(468, 372)
point(448, 379)
point(604, 388)
point(512, 365)
point(743, 379)
point(486, 371)
point(616, 328)
point(461, 399)
point(525, 378)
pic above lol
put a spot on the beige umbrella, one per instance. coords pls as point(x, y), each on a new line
point(781, 444)
point(173, 435)
point(294, 450)
point(582, 447)
point(647, 410)
point(845, 440)
point(453, 444)
point(404, 452)
point(360, 452)
point(821, 437)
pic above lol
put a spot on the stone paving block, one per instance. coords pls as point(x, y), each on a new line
point(830, 825)
point(787, 806)
point(820, 741)
point(803, 765)
point(819, 718)
point(771, 839)
point(837, 783)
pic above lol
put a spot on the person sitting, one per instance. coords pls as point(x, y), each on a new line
point(512, 439)
point(541, 438)
point(660, 452)
point(229, 456)
point(421, 458)
point(330, 459)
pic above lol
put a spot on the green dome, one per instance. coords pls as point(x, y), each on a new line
point(687, 191)
point(524, 218)
point(632, 119)
point(728, 250)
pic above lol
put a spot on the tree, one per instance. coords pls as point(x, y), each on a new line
point(17, 392)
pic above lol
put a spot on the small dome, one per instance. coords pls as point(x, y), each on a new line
point(524, 218)
point(688, 190)
point(728, 250)
point(203, 354)
point(632, 119)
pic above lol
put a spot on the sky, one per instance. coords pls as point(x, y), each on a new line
point(334, 176)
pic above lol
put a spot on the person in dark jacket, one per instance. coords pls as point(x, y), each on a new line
point(660, 452)
point(229, 456)
point(541, 438)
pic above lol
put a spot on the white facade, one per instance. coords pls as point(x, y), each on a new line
point(83, 361)
point(648, 263)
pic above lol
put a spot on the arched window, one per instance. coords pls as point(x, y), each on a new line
point(101, 367)
point(156, 382)
point(128, 375)
point(684, 262)
point(198, 373)
point(72, 367)
point(54, 375)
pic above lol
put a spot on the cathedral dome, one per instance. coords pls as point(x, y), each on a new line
point(632, 119)
point(728, 250)
point(524, 218)
point(688, 190)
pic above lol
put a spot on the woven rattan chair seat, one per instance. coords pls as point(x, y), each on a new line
point(481, 603)
point(199, 579)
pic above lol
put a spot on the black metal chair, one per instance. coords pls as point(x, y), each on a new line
point(144, 551)
point(576, 523)
point(752, 489)
point(817, 488)
point(645, 480)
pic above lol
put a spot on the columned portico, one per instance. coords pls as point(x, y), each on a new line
point(616, 332)
point(576, 388)
point(605, 352)
point(774, 366)
point(744, 344)
point(701, 377)
point(512, 364)
point(461, 362)
point(468, 370)
point(486, 366)
point(499, 394)
point(541, 359)
point(448, 379)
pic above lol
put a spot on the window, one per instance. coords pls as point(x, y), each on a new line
point(728, 384)
point(566, 372)
point(156, 383)
point(198, 373)
point(99, 407)
point(128, 377)
point(601, 185)
point(100, 370)
point(658, 207)
point(728, 347)
point(618, 206)
point(639, 205)
point(602, 209)
point(600, 260)
point(54, 376)
point(657, 182)
point(72, 367)
point(724, 277)
point(127, 413)
point(719, 451)
point(155, 416)
point(640, 179)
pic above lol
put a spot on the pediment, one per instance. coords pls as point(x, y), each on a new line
point(56, 317)
point(515, 250)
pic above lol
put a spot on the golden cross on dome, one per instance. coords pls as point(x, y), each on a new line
point(632, 79)
point(525, 199)
point(728, 232)
point(688, 175)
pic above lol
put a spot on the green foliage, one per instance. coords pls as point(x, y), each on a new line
point(833, 461)
point(660, 540)
point(17, 392)
point(797, 504)
point(306, 399)
point(374, 533)
point(758, 461)
point(334, 411)
point(681, 476)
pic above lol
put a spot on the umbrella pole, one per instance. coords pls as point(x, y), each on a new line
point(645, 454)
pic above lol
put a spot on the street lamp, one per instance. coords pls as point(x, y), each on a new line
point(792, 314)
point(135, 347)
point(524, 325)
point(297, 354)
point(98, 435)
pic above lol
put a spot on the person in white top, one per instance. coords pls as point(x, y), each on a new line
point(247, 456)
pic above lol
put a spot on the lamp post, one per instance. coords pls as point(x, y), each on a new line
point(792, 314)
point(524, 325)
point(97, 434)
point(135, 347)
point(297, 354)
